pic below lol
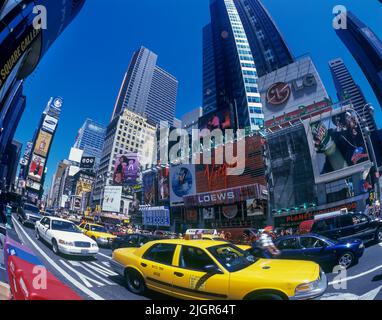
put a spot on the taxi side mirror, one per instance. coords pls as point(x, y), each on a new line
point(212, 269)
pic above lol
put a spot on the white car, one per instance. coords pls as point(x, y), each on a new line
point(65, 237)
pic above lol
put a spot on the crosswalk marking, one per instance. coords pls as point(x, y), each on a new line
point(84, 278)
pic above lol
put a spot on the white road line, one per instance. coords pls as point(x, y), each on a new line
point(356, 276)
point(58, 268)
point(104, 255)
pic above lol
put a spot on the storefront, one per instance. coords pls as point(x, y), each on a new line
point(236, 207)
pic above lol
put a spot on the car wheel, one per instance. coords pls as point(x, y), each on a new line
point(135, 282)
point(55, 247)
point(378, 235)
point(266, 296)
point(346, 260)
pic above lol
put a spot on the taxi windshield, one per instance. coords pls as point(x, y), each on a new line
point(231, 257)
point(98, 229)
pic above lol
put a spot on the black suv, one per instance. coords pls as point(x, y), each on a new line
point(351, 225)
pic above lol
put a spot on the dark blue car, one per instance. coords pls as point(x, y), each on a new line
point(320, 249)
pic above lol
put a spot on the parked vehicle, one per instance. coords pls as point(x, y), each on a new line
point(65, 237)
point(133, 240)
point(29, 214)
point(345, 226)
point(320, 249)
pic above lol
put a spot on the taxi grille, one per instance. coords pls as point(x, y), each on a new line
point(81, 244)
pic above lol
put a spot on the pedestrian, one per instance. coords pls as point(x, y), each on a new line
point(266, 242)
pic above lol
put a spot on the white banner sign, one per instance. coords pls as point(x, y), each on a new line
point(112, 199)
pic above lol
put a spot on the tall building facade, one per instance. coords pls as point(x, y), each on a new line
point(147, 89)
point(268, 45)
point(90, 139)
point(35, 169)
point(230, 74)
point(22, 47)
point(366, 48)
point(190, 120)
point(347, 89)
point(129, 133)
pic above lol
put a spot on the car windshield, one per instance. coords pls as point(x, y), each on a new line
point(32, 208)
point(232, 258)
point(64, 226)
point(97, 229)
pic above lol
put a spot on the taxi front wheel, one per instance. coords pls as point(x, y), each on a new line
point(135, 282)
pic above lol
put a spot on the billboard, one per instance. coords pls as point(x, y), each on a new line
point(75, 155)
point(126, 171)
point(255, 208)
point(87, 162)
point(164, 184)
point(112, 199)
point(221, 119)
point(149, 190)
point(76, 203)
point(337, 145)
point(43, 142)
point(182, 183)
point(36, 169)
point(156, 216)
point(33, 185)
point(292, 92)
point(49, 124)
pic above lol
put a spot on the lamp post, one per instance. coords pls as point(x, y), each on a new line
point(367, 133)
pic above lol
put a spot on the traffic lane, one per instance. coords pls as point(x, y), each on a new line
point(92, 275)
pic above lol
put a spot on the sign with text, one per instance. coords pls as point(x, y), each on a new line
point(112, 199)
point(156, 216)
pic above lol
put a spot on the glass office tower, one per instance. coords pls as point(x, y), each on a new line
point(366, 49)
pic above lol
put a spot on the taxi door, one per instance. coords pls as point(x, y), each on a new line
point(197, 275)
point(157, 267)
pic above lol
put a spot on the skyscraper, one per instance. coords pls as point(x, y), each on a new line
point(147, 89)
point(366, 49)
point(90, 139)
point(268, 46)
point(230, 75)
point(347, 89)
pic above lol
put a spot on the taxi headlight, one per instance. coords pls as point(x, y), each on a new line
point(66, 243)
point(306, 287)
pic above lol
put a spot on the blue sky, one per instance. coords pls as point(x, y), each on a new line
point(87, 63)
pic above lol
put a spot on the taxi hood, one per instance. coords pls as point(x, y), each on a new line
point(282, 270)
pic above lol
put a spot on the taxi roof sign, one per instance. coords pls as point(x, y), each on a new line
point(201, 231)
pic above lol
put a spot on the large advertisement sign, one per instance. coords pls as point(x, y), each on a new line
point(49, 124)
point(36, 168)
point(87, 162)
point(43, 142)
point(164, 184)
point(182, 183)
point(216, 120)
point(112, 199)
point(126, 172)
point(337, 145)
point(291, 92)
point(156, 216)
point(33, 185)
point(27, 153)
point(149, 190)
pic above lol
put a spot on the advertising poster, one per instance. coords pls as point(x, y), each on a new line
point(33, 185)
point(43, 142)
point(156, 216)
point(230, 212)
point(36, 168)
point(182, 183)
point(164, 184)
point(77, 203)
point(255, 208)
point(216, 120)
point(49, 124)
point(83, 186)
point(127, 169)
point(87, 162)
point(112, 199)
point(149, 189)
point(336, 144)
point(208, 213)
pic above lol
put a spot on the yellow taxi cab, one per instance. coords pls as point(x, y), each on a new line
point(97, 233)
point(209, 269)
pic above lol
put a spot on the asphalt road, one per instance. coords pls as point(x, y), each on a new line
point(93, 279)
